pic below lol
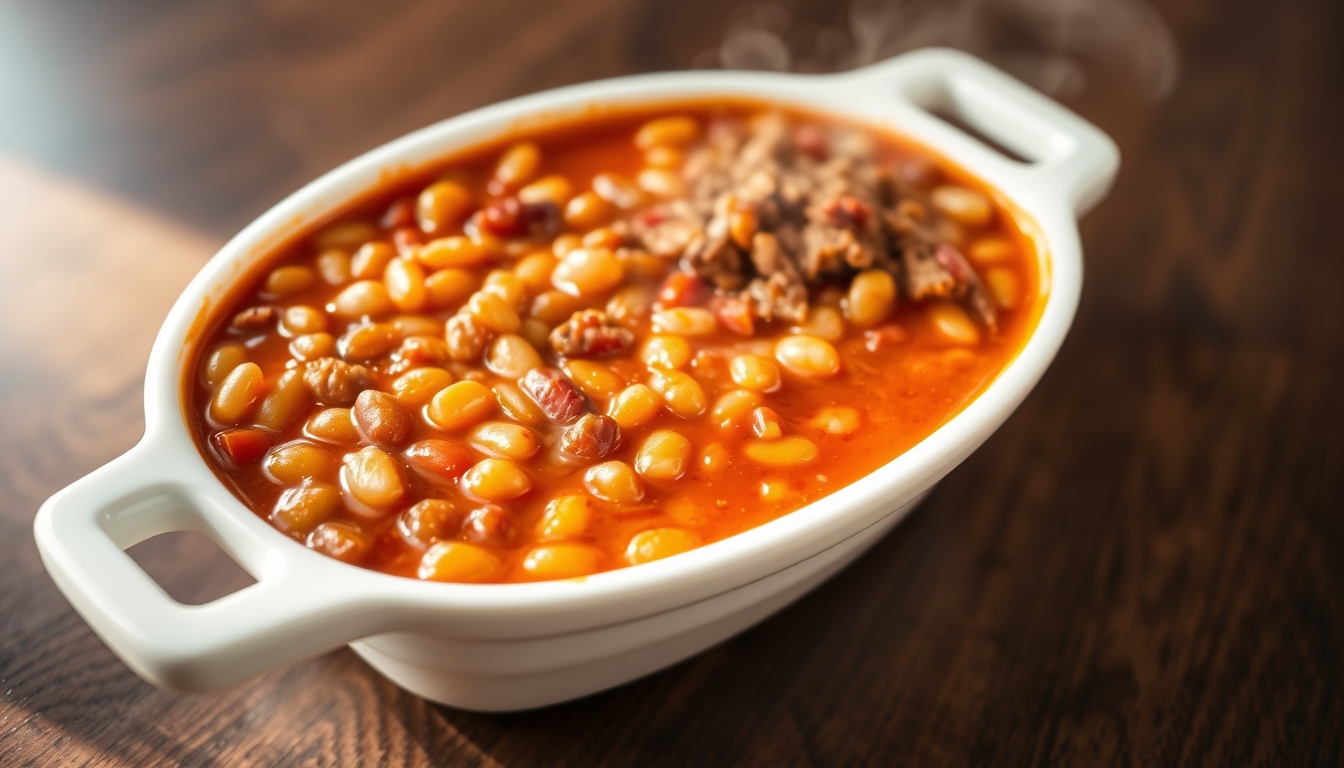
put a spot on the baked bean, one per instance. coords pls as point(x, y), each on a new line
point(405, 282)
point(506, 286)
point(292, 463)
point(428, 521)
point(675, 131)
point(618, 190)
point(590, 438)
point(965, 206)
point(511, 356)
point(765, 423)
point(661, 182)
point(436, 459)
point(683, 395)
point(371, 259)
point(340, 541)
point(518, 165)
point(754, 372)
point(493, 312)
point(614, 481)
point(664, 157)
point(658, 543)
point(454, 251)
point(221, 363)
point(808, 356)
point(505, 440)
point(334, 266)
point(496, 480)
point(566, 517)
point(588, 272)
point(442, 206)
point(332, 425)
point(789, 451)
point(372, 479)
point(312, 346)
point(593, 379)
point(299, 320)
point(300, 509)
point(466, 337)
point(456, 561)
point(836, 420)
point(554, 307)
point(369, 341)
point(517, 405)
point(417, 325)
point(567, 242)
point(460, 405)
point(714, 457)
point(664, 455)
point(537, 333)
point(555, 190)
point(284, 281)
point(415, 388)
point(238, 394)
point(823, 322)
point(685, 321)
point(534, 270)
point(634, 406)
point(348, 234)
point(733, 409)
point(286, 403)
point(953, 325)
point(666, 352)
point(991, 250)
point(775, 491)
point(366, 298)
point(448, 288)
point(1003, 286)
point(630, 303)
point(561, 561)
point(872, 296)
point(642, 265)
point(381, 420)
point(587, 210)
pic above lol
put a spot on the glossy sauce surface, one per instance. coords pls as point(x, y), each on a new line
point(899, 379)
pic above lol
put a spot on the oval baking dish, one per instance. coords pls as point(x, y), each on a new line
point(514, 646)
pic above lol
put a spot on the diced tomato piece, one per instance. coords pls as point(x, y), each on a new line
point(244, 445)
point(406, 238)
point(680, 289)
point(401, 213)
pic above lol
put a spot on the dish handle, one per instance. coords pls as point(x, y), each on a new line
point(292, 612)
point(1060, 153)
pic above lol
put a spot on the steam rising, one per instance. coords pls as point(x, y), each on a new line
point(1050, 44)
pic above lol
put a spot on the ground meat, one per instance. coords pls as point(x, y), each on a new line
point(592, 437)
point(335, 382)
point(775, 210)
point(591, 333)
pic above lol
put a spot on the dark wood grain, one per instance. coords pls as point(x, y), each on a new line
point(1144, 566)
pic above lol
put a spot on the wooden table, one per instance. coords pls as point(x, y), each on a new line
point(1144, 566)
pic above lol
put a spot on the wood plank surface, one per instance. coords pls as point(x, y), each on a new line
point(1145, 565)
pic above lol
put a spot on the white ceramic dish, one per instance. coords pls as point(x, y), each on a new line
point(514, 646)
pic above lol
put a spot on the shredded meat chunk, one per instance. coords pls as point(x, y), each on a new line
point(335, 382)
point(591, 333)
point(776, 209)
